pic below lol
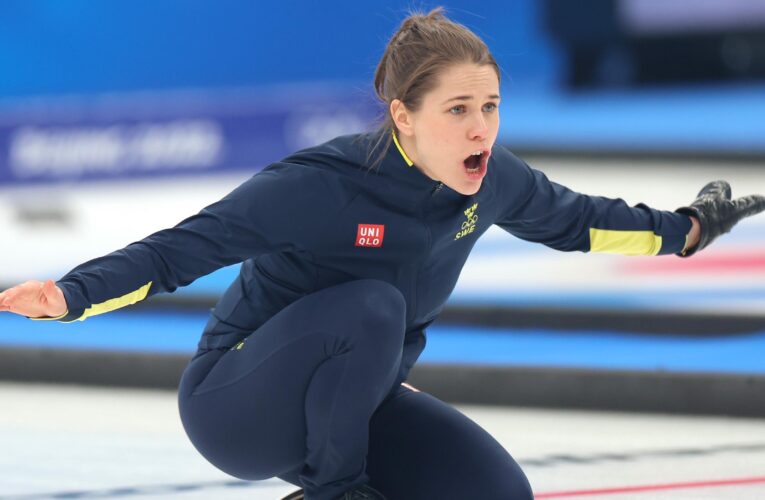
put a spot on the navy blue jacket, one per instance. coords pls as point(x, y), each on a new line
point(320, 217)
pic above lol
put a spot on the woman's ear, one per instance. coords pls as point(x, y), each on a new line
point(401, 117)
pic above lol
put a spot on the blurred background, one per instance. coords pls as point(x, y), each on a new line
point(121, 118)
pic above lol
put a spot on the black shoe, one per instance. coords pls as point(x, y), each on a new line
point(361, 493)
point(295, 495)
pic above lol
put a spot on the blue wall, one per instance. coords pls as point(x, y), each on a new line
point(63, 47)
point(82, 46)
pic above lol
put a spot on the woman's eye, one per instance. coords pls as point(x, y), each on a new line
point(460, 109)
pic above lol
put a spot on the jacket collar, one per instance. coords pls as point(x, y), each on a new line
point(401, 169)
point(401, 150)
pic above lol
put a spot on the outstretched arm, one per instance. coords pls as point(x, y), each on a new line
point(537, 209)
point(262, 215)
point(224, 233)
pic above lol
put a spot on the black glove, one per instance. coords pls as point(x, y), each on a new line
point(717, 213)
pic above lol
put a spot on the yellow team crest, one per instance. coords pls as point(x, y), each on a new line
point(468, 225)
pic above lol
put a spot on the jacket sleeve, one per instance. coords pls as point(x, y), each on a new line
point(256, 218)
point(536, 209)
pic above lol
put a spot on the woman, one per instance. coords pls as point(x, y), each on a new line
point(349, 251)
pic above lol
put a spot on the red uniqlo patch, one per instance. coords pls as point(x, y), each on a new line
point(370, 235)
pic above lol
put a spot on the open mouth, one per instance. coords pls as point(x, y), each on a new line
point(476, 163)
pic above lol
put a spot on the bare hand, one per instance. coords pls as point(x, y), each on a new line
point(34, 299)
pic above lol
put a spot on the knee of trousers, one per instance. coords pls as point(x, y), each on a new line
point(521, 490)
point(374, 312)
point(513, 485)
point(498, 476)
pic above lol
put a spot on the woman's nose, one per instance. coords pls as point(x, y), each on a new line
point(479, 129)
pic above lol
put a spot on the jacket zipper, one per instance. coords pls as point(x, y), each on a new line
point(416, 277)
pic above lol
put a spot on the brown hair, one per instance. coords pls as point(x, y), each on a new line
point(423, 46)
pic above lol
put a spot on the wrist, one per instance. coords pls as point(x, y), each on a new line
point(694, 235)
point(694, 239)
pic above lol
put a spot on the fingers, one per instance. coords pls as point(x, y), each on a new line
point(7, 296)
point(6, 299)
point(23, 299)
point(716, 189)
point(750, 205)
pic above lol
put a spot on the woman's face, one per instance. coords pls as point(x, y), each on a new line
point(458, 118)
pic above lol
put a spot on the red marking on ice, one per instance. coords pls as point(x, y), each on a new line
point(715, 263)
point(652, 487)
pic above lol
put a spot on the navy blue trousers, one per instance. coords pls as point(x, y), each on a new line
point(312, 397)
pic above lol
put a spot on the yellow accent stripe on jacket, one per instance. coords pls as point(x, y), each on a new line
point(112, 304)
point(51, 319)
point(401, 150)
point(624, 242)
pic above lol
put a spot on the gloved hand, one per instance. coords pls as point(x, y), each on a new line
point(717, 213)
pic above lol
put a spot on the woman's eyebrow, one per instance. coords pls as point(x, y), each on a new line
point(468, 98)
